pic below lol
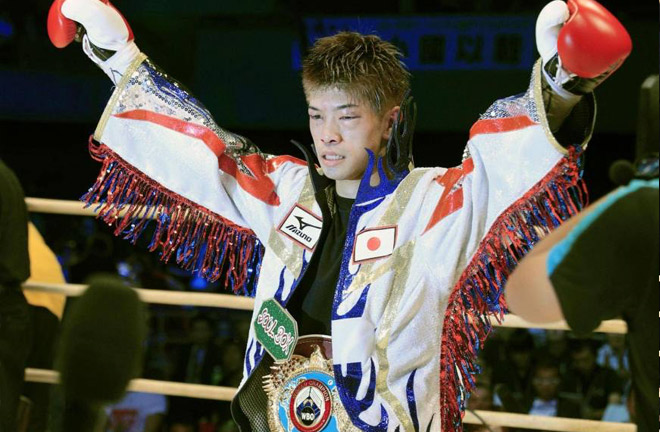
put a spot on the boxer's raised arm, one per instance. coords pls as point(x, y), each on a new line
point(214, 195)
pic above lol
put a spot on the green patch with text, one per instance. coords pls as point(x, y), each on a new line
point(276, 330)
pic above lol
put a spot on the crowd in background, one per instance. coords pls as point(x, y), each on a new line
point(200, 356)
point(551, 373)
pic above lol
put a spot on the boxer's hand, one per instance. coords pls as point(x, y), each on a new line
point(581, 44)
point(107, 39)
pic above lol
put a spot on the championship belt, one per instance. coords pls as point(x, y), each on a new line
point(302, 393)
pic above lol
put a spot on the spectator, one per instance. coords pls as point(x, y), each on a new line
point(144, 270)
point(546, 381)
point(46, 309)
point(198, 362)
point(482, 399)
point(494, 352)
point(614, 355)
point(232, 364)
point(15, 322)
point(241, 324)
point(556, 348)
point(512, 380)
point(137, 412)
point(91, 251)
point(590, 384)
point(182, 426)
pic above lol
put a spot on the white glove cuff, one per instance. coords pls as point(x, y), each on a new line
point(115, 66)
point(558, 102)
point(122, 59)
point(555, 84)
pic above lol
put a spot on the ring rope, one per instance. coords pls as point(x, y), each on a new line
point(230, 301)
point(526, 421)
point(44, 205)
point(167, 388)
point(54, 206)
point(181, 298)
point(227, 393)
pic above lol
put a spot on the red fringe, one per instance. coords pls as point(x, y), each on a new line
point(183, 228)
point(478, 295)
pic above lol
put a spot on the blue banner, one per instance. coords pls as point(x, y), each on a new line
point(442, 42)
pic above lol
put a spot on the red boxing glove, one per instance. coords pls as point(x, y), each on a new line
point(592, 42)
point(106, 37)
point(61, 30)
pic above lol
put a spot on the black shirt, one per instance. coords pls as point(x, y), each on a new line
point(311, 304)
point(611, 270)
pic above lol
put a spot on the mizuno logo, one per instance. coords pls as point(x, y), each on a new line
point(302, 226)
point(298, 233)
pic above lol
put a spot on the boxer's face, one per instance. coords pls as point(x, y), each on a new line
point(342, 128)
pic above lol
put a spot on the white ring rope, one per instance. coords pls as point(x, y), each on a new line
point(493, 418)
point(526, 421)
point(230, 301)
point(43, 205)
point(168, 388)
point(181, 298)
point(53, 206)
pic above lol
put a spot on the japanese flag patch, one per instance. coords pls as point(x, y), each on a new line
point(375, 243)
